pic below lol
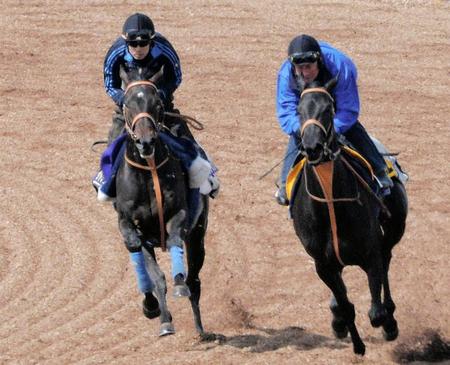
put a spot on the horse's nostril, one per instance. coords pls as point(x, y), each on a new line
point(146, 149)
point(314, 150)
point(314, 153)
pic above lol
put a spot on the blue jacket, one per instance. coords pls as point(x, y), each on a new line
point(161, 54)
point(345, 92)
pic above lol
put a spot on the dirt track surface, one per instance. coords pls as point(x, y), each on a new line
point(67, 290)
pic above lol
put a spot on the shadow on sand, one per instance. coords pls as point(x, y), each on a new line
point(274, 339)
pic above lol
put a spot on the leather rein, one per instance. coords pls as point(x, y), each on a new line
point(130, 126)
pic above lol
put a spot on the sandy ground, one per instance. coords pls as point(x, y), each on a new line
point(67, 290)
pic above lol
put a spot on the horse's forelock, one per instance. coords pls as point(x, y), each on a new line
point(314, 105)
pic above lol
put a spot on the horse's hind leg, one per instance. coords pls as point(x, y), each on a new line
point(393, 229)
point(332, 278)
point(338, 323)
point(375, 274)
point(390, 327)
point(160, 290)
point(195, 258)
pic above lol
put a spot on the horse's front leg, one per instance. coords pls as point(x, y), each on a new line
point(176, 231)
point(160, 290)
point(332, 278)
point(145, 284)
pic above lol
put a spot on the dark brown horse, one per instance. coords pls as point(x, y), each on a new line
point(152, 205)
point(341, 222)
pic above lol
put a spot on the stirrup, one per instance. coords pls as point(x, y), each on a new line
point(281, 198)
point(384, 181)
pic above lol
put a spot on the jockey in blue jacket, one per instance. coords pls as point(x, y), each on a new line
point(309, 60)
point(140, 46)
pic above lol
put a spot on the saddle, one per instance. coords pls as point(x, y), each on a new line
point(356, 160)
point(114, 154)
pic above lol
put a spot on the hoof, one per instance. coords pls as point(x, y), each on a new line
point(390, 332)
point(150, 306)
point(377, 318)
point(180, 291)
point(359, 349)
point(166, 329)
point(340, 330)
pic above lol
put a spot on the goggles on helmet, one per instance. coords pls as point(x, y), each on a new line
point(133, 36)
point(304, 57)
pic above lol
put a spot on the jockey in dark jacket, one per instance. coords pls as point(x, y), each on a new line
point(161, 54)
point(140, 47)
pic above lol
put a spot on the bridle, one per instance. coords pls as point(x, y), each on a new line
point(329, 132)
point(130, 124)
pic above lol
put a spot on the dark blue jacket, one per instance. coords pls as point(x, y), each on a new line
point(345, 92)
point(161, 54)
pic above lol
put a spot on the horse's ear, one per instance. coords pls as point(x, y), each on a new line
point(124, 75)
point(300, 83)
point(331, 83)
point(157, 76)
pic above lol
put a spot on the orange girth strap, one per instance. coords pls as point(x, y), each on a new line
point(324, 173)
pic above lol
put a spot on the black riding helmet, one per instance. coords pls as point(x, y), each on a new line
point(304, 49)
point(138, 27)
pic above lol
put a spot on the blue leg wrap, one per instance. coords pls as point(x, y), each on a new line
point(176, 255)
point(144, 282)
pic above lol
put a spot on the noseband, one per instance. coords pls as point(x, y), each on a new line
point(327, 132)
point(131, 125)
